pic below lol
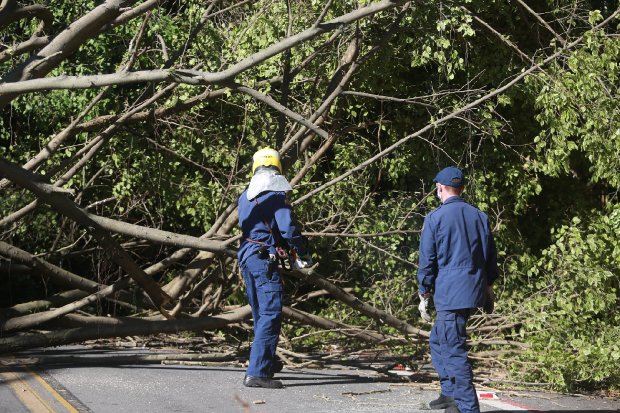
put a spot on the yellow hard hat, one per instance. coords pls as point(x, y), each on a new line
point(266, 157)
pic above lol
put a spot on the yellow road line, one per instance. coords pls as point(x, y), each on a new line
point(26, 394)
point(53, 392)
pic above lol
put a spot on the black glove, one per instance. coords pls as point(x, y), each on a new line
point(489, 302)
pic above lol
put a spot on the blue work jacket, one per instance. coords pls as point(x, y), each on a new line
point(262, 220)
point(458, 258)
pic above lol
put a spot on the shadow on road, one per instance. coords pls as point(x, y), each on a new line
point(289, 378)
point(289, 381)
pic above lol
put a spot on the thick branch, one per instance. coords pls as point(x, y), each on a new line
point(188, 76)
point(185, 105)
point(63, 45)
point(182, 253)
point(119, 327)
point(87, 82)
point(160, 237)
point(223, 225)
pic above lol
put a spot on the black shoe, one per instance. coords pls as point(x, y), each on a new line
point(442, 402)
point(264, 382)
point(452, 409)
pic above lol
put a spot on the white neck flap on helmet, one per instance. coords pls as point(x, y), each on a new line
point(267, 180)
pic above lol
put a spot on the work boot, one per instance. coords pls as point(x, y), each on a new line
point(442, 402)
point(452, 409)
point(264, 382)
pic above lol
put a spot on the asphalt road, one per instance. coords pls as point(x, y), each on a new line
point(162, 388)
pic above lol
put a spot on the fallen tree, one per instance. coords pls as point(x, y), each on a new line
point(134, 124)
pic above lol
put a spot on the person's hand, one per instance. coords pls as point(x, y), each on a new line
point(302, 262)
point(489, 303)
point(424, 307)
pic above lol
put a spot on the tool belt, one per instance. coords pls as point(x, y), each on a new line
point(284, 257)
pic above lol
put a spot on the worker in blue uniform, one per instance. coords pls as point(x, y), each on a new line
point(266, 220)
point(457, 269)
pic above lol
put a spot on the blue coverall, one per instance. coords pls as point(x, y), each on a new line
point(458, 260)
point(263, 219)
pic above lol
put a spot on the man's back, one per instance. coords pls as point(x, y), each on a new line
point(457, 255)
point(264, 220)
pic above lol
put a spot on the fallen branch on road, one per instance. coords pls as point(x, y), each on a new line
point(119, 327)
point(115, 359)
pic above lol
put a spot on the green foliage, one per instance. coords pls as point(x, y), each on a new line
point(578, 110)
point(572, 304)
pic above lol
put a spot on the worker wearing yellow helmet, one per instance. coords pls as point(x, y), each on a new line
point(266, 220)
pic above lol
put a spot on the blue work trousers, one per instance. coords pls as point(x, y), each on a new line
point(449, 357)
point(264, 291)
